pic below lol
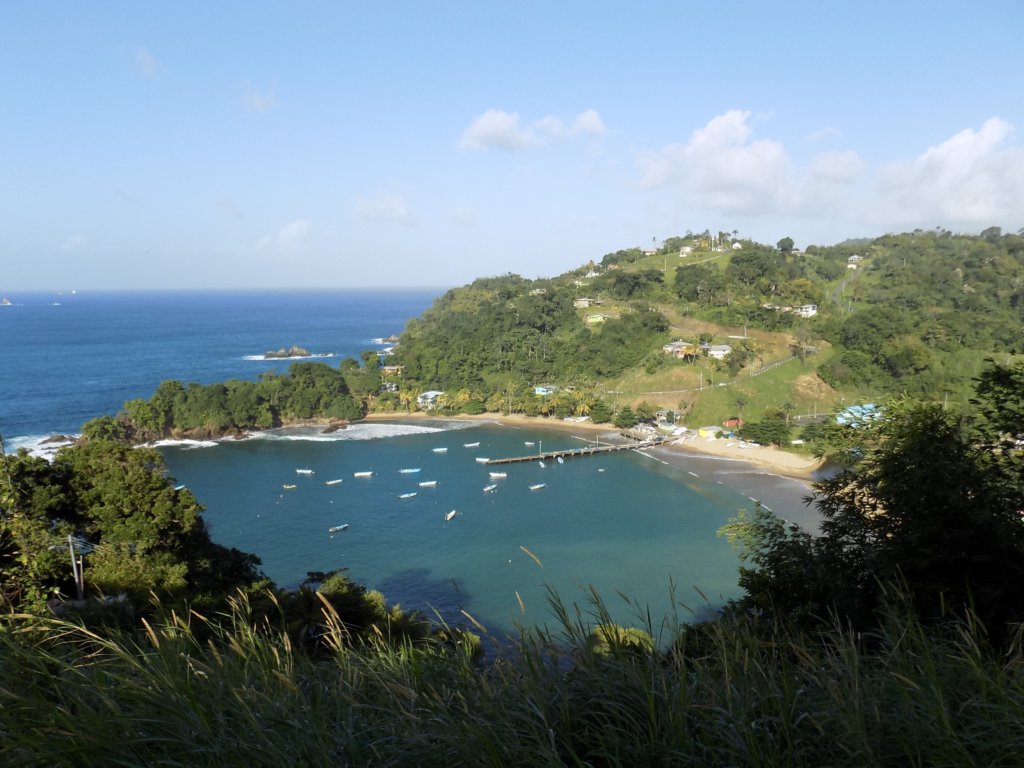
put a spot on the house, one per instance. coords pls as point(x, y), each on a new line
point(543, 390)
point(806, 310)
point(686, 250)
point(428, 400)
point(719, 351)
point(538, 291)
point(583, 303)
point(593, 273)
point(680, 348)
point(391, 370)
point(733, 423)
point(737, 246)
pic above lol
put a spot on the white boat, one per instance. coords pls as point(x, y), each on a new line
point(406, 495)
point(409, 471)
point(333, 482)
point(427, 484)
point(527, 442)
point(471, 445)
point(337, 528)
point(289, 486)
point(362, 474)
point(303, 471)
point(498, 475)
point(537, 486)
point(450, 515)
point(542, 465)
point(439, 450)
point(490, 488)
point(481, 459)
point(561, 460)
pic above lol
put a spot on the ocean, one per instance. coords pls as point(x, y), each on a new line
point(635, 529)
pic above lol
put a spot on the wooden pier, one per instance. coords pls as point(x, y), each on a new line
point(592, 450)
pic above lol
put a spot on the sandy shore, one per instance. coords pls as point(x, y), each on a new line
point(772, 459)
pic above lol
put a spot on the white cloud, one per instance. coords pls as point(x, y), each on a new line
point(462, 216)
point(73, 243)
point(824, 133)
point(145, 63)
point(837, 167)
point(496, 129)
point(258, 99)
point(288, 239)
point(589, 122)
point(721, 168)
point(386, 207)
point(975, 178)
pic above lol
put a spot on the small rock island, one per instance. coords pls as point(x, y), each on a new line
point(293, 351)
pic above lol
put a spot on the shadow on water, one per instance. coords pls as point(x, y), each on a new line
point(443, 599)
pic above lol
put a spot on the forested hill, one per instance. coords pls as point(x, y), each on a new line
point(912, 313)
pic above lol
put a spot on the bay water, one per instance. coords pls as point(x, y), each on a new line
point(640, 530)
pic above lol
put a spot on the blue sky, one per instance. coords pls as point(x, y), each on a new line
point(245, 144)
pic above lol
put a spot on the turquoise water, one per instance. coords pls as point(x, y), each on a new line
point(624, 523)
point(632, 529)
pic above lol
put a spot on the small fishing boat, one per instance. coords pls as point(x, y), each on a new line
point(498, 475)
point(303, 471)
point(481, 460)
point(439, 450)
point(333, 482)
point(542, 465)
point(427, 484)
point(450, 515)
point(537, 486)
point(527, 442)
point(289, 486)
point(407, 495)
point(362, 474)
point(337, 528)
point(490, 488)
point(471, 445)
point(409, 471)
point(561, 460)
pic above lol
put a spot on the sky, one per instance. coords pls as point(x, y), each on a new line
point(385, 144)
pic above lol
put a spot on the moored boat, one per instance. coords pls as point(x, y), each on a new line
point(362, 474)
point(498, 475)
point(490, 488)
point(481, 459)
point(439, 450)
point(427, 484)
point(409, 471)
point(471, 445)
point(333, 482)
point(407, 495)
point(537, 486)
point(337, 528)
point(450, 515)
point(289, 486)
point(304, 471)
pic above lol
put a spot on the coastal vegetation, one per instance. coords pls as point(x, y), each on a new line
point(892, 636)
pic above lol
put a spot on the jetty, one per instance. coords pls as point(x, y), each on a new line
point(592, 450)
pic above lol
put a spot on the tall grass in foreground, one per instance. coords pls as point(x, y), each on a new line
point(723, 693)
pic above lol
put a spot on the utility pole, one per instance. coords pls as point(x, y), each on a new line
point(76, 569)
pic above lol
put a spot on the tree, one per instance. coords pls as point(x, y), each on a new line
point(786, 245)
point(625, 418)
point(933, 505)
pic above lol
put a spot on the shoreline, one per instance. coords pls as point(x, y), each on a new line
point(776, 461)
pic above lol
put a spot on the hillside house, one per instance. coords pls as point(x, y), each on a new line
point(806, 310)
point(719, 351)
point(680, 349)
point(543, 390)
point(584, 303)
point(391, 370)
point(538, 291)
point(428, 400)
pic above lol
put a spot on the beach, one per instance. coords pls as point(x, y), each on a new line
point(772, 459)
